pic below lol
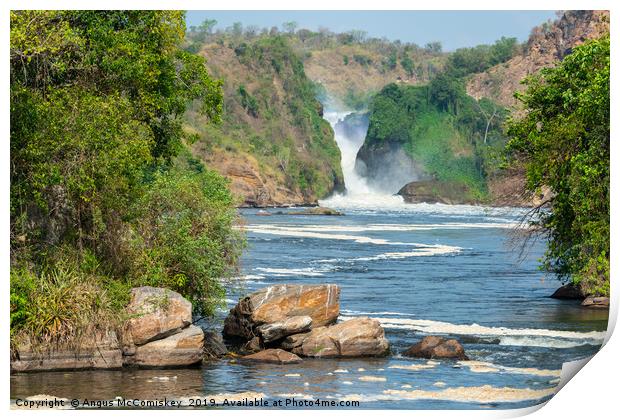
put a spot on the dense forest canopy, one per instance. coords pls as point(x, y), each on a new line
point(103, 194)
point(563, 140)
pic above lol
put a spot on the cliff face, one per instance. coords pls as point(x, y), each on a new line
point(547, 45)
point(273, 144)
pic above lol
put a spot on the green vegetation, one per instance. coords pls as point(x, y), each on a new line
point(563, 141)
point(103, 194)
point(452, 143)
point(454, 137)
point(349, 65)
point(272, 115)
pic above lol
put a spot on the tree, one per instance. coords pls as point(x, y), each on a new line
point(563, 141)
point(207, 26)
point(407, 64)
point(289, 27)
point(488, 116)
point(433, 47)
point(97, 100)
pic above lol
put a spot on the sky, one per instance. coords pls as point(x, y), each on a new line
point(454, 29)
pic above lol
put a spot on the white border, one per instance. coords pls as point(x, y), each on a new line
point(593, 394)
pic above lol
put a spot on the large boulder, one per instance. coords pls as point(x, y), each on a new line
point(278, 356)
point(181, 349)
point(277, 330)
point(155, 313)
point(433, 347)
point(568, 292)
point(353, 338)
point(97, 351)
point(277, 303)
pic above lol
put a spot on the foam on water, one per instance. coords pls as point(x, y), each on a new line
point(288, 272)
point(387, 227)
point(299, 233)
point(509, 336)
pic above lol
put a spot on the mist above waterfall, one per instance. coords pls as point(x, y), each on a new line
point(358, 191)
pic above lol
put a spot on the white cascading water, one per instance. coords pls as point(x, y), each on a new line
point(358, 194)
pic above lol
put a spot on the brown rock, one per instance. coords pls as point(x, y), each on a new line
point(278, 356)
point(316, 211)
point(282, 301)
point(545, 47)
point(432, 191)
point(156, 313)
point(353, 338)
point(596, 302)
point(252, 346)
point(433, 347)
point(101, 351)
point(293, 341)
point(277, 330)
point(182, 349)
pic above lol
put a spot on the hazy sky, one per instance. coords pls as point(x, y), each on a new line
point(453, 28)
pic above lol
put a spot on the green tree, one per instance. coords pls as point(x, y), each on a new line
point(97, 103)
point(407, 64)
point(563, 141)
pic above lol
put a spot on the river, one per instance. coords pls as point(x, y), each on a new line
point(419, 269)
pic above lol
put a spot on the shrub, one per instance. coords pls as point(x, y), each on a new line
point(183, 237)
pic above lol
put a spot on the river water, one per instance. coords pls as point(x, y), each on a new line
point(419, 269)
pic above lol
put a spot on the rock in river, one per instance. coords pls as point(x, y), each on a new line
point(278, 356)
point(182, 349)
point(356, 337)
point(155, 313)
point(100, 351)
point(568, 291)
point(433, 347)
point(277, 330)
point(277, 303)
point(596, 302)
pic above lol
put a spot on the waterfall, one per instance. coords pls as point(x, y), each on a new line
point(358, 194)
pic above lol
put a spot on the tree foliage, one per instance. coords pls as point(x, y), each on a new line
point(563, 141)
point(97, 101)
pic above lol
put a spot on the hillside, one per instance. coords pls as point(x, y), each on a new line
point(409, 129)
point(352, 73)
point(548, 44)
point(273, 144)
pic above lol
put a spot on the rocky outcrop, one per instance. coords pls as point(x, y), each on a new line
point(181, 349)
point(507, 188)
point(277, 330)
point(277, 356)
point(433, 347)
point(432, 191)
point(278, 303)
point(568, 292)
point(300, 319)
point(387, 166)
point(159, 332)
point(214, 346)
point(546, 46)
point(596, 302)
point(358, 337)
point(292, 341)
point(156, 313)
point(99, 351)
point(314, 211)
